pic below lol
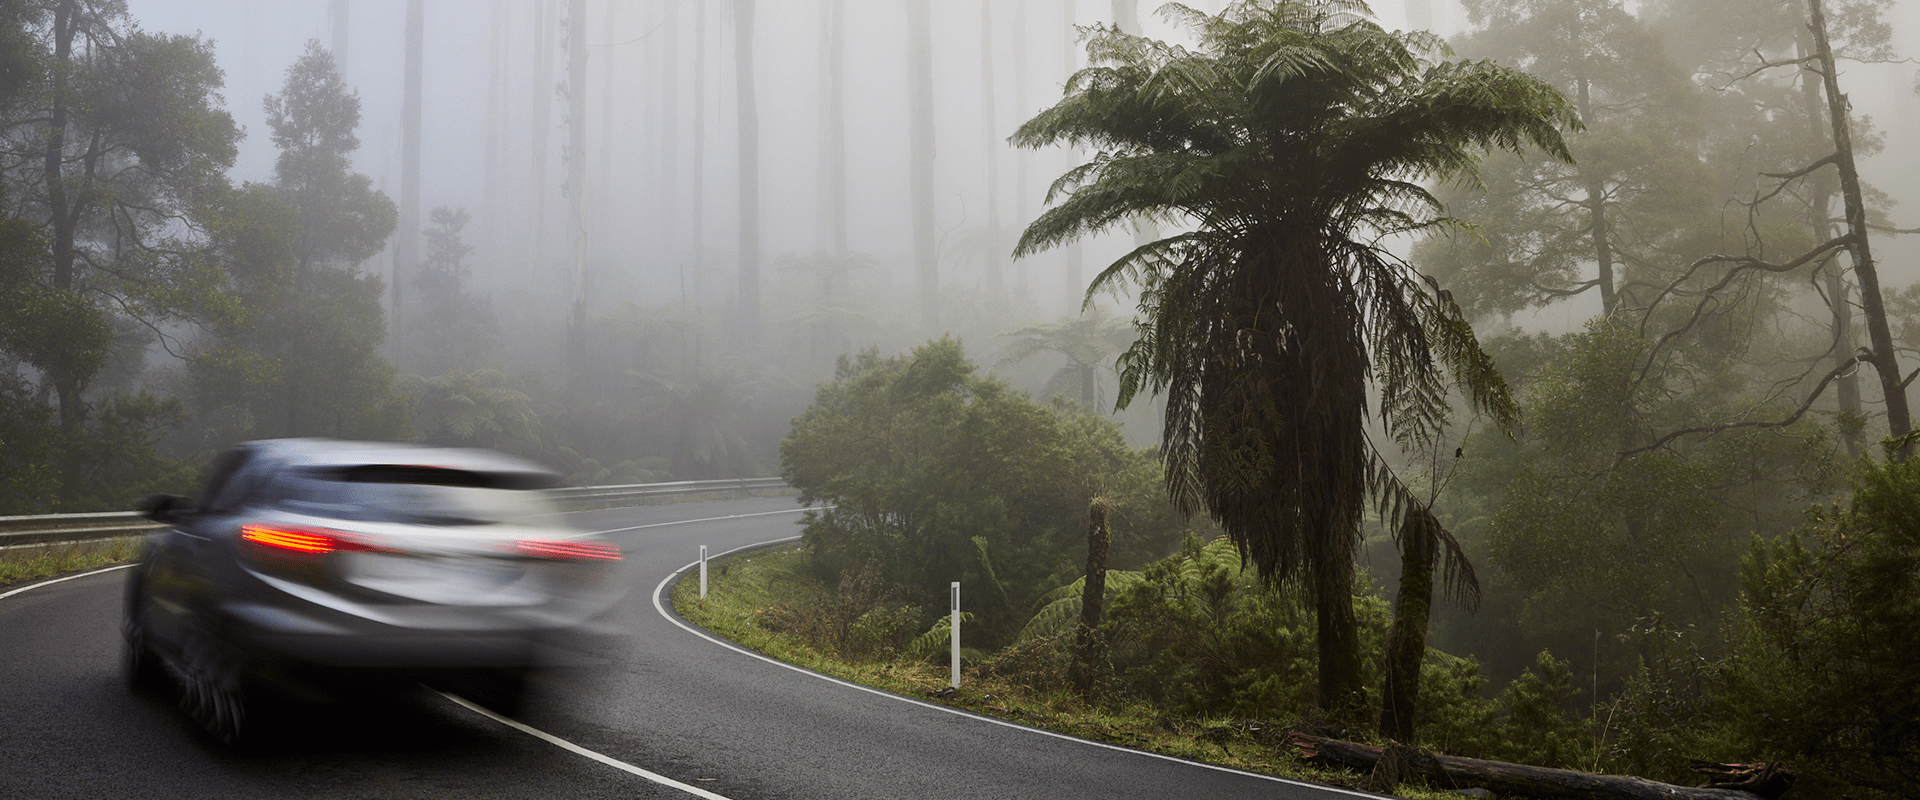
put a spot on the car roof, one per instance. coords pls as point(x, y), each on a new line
point(342, 453)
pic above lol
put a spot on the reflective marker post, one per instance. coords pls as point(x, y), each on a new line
point(954, 624)
point(703, 572)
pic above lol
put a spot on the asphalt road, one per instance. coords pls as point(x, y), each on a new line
point(662, 712)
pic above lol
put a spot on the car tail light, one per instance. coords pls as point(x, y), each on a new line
point(566, 550)
point(302, 539)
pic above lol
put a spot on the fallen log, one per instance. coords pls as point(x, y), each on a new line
point(1454, 772)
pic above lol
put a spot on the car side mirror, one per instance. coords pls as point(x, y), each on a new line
point(165, 508)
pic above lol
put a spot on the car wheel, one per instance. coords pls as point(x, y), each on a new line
point(139, 662)
point(214, 689)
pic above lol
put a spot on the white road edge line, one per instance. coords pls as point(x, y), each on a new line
point(578, 750)
point(32, 586)
point(955, 711)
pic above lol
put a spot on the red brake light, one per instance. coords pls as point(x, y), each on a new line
point(568, 550)
point(317, 541)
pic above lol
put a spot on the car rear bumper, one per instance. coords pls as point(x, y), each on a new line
point(284, 636)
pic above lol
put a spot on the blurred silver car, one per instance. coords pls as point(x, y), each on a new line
point(311, 566)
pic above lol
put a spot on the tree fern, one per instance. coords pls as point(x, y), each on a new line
point(1281, 152)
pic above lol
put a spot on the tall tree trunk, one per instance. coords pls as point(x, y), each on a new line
point(577, 182)
point(1599, 229)
point(1819, 211)
point(833, 117)
point(406, 242)
point(65, 212)
point(920, 158)
point(337, 20)
point(1022, 158)
point(749, 122)
point(601, 202)
point(1089, 650)
point(670, 139)
point(1340, 691)
point(1407, 638)
point(496, 118)
point(1884, 357)
point(697, 195)
point(540, 115)
point(996, 276)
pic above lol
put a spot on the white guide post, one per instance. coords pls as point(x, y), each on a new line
point(703, 572)
point(954, 625)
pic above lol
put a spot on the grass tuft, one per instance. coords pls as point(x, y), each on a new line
point(28, 564)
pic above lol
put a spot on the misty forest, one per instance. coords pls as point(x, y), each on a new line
point(1518, 379)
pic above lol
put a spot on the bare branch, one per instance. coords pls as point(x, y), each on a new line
point(1802, 172)
point(1743, 264)
point(1836, 372)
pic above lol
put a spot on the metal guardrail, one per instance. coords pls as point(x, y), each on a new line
point(49, 529)
point(579, 498)
point(46, 529)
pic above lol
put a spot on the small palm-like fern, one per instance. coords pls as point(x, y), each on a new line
point(1061, 609)
point(938, 639)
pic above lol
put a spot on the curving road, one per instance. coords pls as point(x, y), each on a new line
point(665, 712)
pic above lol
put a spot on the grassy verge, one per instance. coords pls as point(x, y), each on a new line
point(742, 586)
point(31, 564)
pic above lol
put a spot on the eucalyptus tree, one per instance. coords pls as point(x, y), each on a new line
point(304, 359)
point(1284, 146)
point(833, 126)
point(920, 138)
point(1639, 185)
point(576, 160)
point(749, 152)
point(406, 244)
point(114, 159)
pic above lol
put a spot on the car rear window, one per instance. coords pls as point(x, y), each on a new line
point(421, 495)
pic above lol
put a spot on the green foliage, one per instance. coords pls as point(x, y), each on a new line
point(119, 456)
point(1532, 721)
point(478, 409)
point(1198, 634)
point(1824, 675)
point(455, 328)
point(1059, 613)
point(857, 618)
point(937, 641)
point(937, 474)
point(29, 444)
point(1538, 726)
point(1584, 541)
point(303, 360)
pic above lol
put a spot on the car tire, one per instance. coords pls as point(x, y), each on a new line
point(216, 691)
point(140, 664)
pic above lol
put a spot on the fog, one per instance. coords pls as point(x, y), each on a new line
point(645, 241)
point(662, 161)
point(642, 112)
